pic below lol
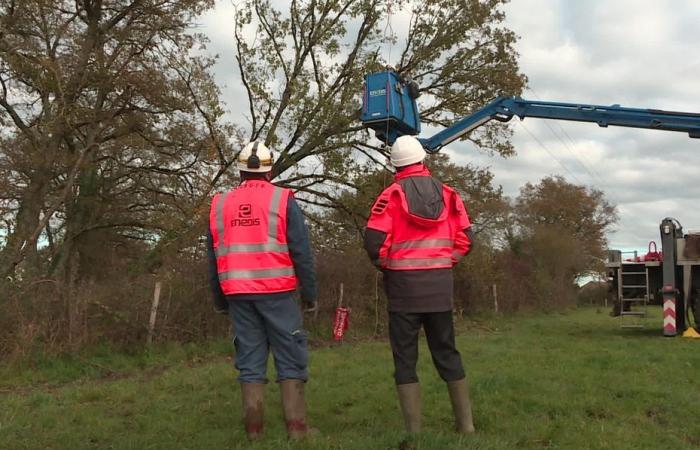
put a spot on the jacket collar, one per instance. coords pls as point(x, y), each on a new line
point(255, 180)
point(418, 170)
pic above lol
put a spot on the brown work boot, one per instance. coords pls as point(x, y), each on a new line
point(461, 406)
point(409, 399)
point(294, 408)
point(253, 396)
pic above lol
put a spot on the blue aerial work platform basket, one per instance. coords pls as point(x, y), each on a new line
point(389, 105)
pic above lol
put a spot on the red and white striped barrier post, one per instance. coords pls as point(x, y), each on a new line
point(669, 294)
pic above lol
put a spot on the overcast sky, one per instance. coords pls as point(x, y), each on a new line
point(637, 53)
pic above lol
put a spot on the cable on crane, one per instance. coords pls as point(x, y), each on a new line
point(550, 153)
point(586, 167)
point(388, 31)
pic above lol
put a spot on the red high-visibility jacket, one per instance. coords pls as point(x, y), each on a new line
point(414, 242)
point(249, 230)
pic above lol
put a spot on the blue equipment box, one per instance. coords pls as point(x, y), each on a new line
point(387, 105)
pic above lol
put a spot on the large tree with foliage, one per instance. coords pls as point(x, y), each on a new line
point(108, 126)
point(582, 213)
point(303, 67)
point(560, 229)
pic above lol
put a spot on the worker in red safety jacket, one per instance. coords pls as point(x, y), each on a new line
point(259, 251)
point(417, 231)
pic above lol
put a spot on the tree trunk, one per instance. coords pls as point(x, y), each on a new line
point(28, 217)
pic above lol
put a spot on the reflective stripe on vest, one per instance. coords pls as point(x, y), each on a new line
point(423, 243)
point(256, 273)
point(421, 254)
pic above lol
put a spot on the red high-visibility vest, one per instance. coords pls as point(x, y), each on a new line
point(414, 242)
point(249, 229)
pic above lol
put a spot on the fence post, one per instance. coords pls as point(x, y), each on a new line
point(154, 312)
point(495, 298)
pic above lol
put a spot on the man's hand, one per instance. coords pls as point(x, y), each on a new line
point(309, 306)
point(220, 305)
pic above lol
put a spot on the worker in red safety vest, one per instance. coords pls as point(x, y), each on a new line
point(417, 231)
point(259, 251)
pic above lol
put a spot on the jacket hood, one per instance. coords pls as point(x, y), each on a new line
point(422, 199)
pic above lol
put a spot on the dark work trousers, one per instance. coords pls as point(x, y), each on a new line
point(439, 331)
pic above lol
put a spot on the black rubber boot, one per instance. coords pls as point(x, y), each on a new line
point(409, 399)
point(461, 406)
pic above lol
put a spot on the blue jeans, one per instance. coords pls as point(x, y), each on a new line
point(263, 325)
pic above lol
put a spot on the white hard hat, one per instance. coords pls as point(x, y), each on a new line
point(406, 150)
point(255, 157)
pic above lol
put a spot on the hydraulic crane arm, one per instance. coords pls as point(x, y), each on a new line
point(389, 107)
point(504, 108)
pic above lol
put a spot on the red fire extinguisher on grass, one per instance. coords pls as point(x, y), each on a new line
point(342, 318)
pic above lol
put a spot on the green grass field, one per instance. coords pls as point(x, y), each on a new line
point(571, 381)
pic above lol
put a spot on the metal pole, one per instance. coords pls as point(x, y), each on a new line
point(673, 311)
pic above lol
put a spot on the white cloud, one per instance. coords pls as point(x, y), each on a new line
point(638, 53)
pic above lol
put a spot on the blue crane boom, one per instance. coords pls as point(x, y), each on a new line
point(389, 107)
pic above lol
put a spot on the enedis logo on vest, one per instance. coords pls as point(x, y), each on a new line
point(244, 219)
